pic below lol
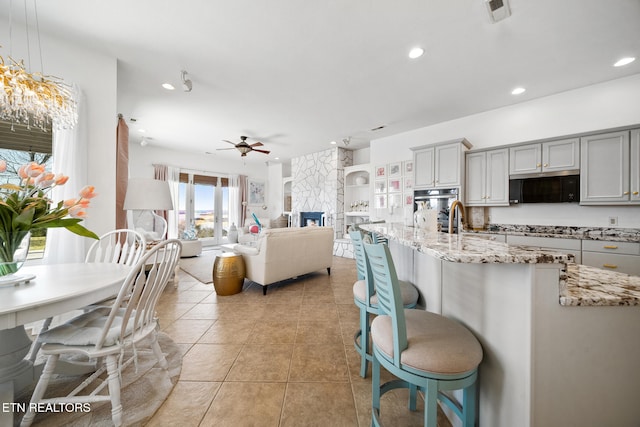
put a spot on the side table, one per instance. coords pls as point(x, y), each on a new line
point(228, 273)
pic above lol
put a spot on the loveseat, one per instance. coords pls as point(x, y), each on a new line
point(284, 253)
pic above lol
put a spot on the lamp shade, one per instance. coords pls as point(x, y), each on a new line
point(147, 194)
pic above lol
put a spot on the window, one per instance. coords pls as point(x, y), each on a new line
point(18, 146)
point(204, 206)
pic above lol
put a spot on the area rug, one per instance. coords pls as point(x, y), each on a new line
point(143, 392)
point(201, 267)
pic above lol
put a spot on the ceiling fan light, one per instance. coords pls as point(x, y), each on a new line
point(168, 86)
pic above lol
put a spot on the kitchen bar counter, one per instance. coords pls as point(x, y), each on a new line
point(463, 247)
point(557, 337)
point(580, 285)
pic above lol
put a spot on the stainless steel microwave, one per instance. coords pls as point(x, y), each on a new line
point(548, 189)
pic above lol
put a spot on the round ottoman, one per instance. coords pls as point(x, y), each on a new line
point(228, 273)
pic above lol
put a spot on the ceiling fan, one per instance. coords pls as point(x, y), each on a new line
point(244, 147)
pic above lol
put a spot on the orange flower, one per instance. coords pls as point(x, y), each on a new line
point(70, 202)
point(77, 212)
point(3, 166)
point(22, 172)
point(88, 192)
point(84, 203)
point(34, 169)
point(61, 179)
point(45, 179)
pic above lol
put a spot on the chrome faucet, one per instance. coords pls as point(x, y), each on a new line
point(456, 204)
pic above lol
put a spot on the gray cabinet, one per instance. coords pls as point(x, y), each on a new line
point(487, 178)
point(610, 164)
point(439, 165)
point(552, 156)
point(623, 257)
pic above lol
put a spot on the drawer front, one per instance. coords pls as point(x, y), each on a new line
point(627, 248)
point(629, 264)
point(546, 242)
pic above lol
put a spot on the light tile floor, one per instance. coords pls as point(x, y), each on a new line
point(284, 359)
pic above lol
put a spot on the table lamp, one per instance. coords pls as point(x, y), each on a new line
point(144, 195)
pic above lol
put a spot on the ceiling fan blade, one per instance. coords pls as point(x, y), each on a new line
point(262, 151)
point(257, 144)
point(232, 143)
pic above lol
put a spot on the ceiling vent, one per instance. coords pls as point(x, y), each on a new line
point(498, 9)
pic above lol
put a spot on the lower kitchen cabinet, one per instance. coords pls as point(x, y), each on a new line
point(623, 257)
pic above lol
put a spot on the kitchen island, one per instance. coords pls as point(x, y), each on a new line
point(561, 341)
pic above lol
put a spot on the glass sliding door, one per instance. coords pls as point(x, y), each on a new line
point(204, 207)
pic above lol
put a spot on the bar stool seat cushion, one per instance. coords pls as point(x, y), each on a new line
point(436, 344)
point(408, 291)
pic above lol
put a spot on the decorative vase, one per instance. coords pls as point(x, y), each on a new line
point(232, 235)
point(14, 247)
point(424, 218)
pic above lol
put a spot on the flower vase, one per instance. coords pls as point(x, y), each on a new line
point(425, 218)
point(14, 247)
point(232, 235)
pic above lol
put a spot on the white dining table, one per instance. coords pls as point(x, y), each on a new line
point(55, 289)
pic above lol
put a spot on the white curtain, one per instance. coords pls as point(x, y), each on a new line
point(69, 158)
point(234, 200)
point(174, 184)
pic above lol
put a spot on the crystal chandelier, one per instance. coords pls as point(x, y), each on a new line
point(33, 98)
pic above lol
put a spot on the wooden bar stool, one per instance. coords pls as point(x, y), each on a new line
point(426, 351)
point(365, 298)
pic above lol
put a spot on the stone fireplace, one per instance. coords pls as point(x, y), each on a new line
point(318, 186)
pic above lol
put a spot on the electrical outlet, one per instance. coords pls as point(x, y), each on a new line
point(613, 220)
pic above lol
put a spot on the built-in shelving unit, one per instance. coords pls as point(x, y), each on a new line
point(356, 194)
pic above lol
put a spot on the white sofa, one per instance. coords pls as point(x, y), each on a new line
point(284, 253)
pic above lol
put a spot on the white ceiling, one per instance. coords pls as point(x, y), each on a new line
point(297, 74)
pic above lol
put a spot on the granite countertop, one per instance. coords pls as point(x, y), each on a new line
point(580, 285)
point(591, 286)
point(465, 248)
point(563, 232)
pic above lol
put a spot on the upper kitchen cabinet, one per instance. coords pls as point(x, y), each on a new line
point(610, 164)
point(440, 165)
point(551, 156)
point(487, 178)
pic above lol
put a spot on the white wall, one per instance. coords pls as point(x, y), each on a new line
point(606, 105)
point(96, 75)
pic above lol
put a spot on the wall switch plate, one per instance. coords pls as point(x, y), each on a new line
point(613, 220)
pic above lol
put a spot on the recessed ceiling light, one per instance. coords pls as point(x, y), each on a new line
point(333, 143)
point(141, 130)
point(416, 52)
point(168, 86)
point(518, 91)
point(277, 158)
point(624, 61)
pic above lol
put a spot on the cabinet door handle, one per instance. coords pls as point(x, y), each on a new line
point(609, 266)
point(538, 165)
point(546, 165)
point(610, 247)
point(626, 193)
point(635, 193)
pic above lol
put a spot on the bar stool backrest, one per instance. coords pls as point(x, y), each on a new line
point(385, 279)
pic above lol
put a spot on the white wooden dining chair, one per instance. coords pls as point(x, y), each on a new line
point(104, 333)
point(121, 246)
